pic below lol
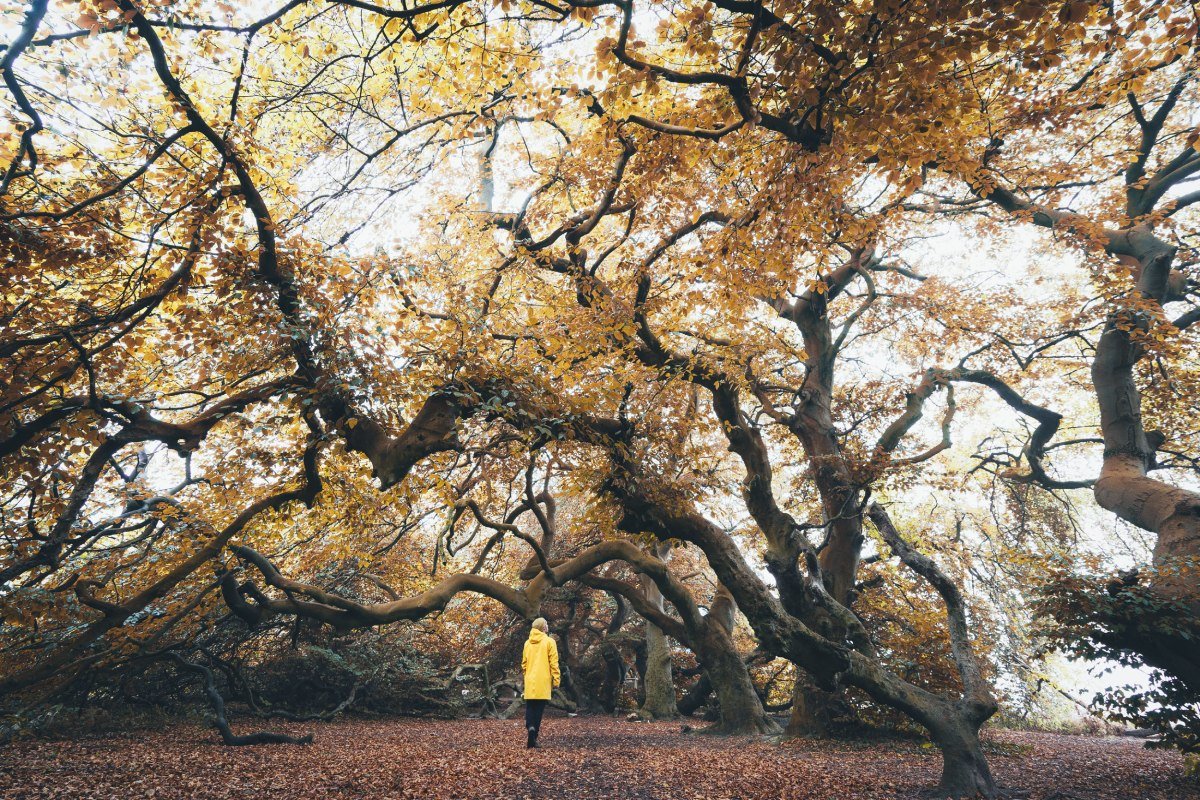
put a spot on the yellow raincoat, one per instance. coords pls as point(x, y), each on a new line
point(539, 660)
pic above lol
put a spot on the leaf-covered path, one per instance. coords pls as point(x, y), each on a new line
point(580, 758)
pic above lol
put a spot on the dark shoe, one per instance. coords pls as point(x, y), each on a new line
point(532, 740)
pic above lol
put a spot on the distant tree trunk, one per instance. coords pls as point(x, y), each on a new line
point(810, 708)
point(659, 682)
point(710, 637)
point(615, 668)
point(568, 661)
point(697, 697)
point(639, 666)
point(615, 671)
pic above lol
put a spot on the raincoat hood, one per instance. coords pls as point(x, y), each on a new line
point(536, 636)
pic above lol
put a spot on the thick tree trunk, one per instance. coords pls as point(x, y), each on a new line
point(741, 710)
point(1125, 487)
point(953, 725)
point(1170, 512)
point(660, 687)
point(965, 772)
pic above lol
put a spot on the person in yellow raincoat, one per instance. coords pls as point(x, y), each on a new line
point(539, 662)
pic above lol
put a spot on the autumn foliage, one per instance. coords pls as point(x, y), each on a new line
point(827, 357)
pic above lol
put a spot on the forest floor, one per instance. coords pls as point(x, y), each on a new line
point(582, 757)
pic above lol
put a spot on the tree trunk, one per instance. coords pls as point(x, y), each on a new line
point(568, 661)
point(659, 682)
point(811, 707)
point(953, 725)
point(1124, 487)
point(615, 670)
point(965, 771)
point(697, 697)
point(741, 711)
point(660, 686)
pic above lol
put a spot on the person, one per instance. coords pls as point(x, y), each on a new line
point(539, 662)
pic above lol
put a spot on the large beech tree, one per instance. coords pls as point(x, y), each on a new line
point(251, 259)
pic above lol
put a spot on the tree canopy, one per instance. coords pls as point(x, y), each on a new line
point(837, 318)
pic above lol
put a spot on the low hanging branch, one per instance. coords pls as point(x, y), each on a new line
point(301, 599)
point(221, 721)
point(344, 613)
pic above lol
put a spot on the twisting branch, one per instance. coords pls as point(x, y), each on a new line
point(115, 615)
point(1187, 318)
point(26, 150)
point(1047, 425)
point(641, 604)
point(343, 613)
point(946, 442)
point(116, 188)
point(139, 425)
point(890, 439)
point(514, 530)
point(1141, 197)
point(221, 721)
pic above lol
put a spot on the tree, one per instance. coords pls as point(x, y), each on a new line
point(206, 318)
point(660, 684)
point(1123, 201)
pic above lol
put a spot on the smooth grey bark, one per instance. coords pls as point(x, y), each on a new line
point(1124, 486)
point(965, 771)
point(659, 681)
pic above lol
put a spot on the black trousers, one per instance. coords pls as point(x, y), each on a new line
point(533, 714)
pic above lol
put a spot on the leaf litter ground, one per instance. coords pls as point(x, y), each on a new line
point(583, 757)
